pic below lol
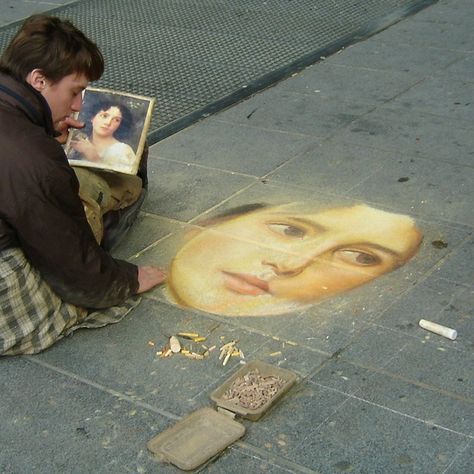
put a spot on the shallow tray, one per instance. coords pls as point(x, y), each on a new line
point(264, 369)
point(195, 439)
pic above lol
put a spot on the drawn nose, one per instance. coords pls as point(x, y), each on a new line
point(294, 263)
point(289, 267)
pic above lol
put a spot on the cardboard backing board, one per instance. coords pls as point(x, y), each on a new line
point(218, 396)
point(196, 438)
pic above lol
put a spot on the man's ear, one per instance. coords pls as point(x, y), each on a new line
point(37, 79)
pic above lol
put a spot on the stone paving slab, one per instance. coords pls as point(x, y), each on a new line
point(63, 424)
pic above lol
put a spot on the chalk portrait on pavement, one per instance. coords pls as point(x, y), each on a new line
point(266, 260)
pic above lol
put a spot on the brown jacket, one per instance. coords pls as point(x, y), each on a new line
point(40, 210)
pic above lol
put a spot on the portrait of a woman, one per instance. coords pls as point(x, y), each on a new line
point(276, 260)
point(108, 125)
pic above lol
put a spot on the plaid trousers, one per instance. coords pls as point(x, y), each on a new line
point(33, 317)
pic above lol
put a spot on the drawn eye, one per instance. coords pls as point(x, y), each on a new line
point(288, 230)
point(357, 257)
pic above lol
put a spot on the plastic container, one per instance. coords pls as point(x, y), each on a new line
point(196, 439)
point(288, 377)
point(205, 433)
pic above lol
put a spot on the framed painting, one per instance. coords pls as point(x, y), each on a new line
point(114, 135)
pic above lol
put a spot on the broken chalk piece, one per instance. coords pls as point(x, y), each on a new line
point(438, 329)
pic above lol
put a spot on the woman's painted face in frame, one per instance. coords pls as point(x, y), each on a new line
point(106, 122)
point(272, 262)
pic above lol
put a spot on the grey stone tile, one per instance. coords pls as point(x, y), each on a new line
point(449, 12)
point(295, 113)
point(182, 191)
point(420, 31)
point(42, 427)
point(146, 230)
point(437, 300)
point(349, 83)
point(462, 69)
point(15, 10)
point(375, 347)
point(362, 437)
point(233, 147)
point(123, 356)
point(410, 132)
point(296, 417)
point(460, 316)
point(274, 194)
point(342, 376)
point(443, 96)
point(321, 429)
point(237, 459)
point(323, 330)
point(458, 266)
point(289, 355)
point(432, 406)
point(418, 187)
point(464, 462)
point(332, 167)
point(439, 241)
point(417, 60)
point(434, 364)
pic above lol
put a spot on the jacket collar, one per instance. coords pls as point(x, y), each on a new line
point(24, 97)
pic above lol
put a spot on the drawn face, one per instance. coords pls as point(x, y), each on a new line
point(106, 122)
point(271, 261)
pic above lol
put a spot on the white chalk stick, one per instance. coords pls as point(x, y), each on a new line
point(438, 329)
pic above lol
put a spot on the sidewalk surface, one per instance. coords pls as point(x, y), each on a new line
point(388, 123)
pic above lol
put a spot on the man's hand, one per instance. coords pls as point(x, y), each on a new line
point(64, 126)
point(148, 277)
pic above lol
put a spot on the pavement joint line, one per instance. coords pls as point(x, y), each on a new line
point(384, 371)
point(206, 167)
point(420, 339)
point(227, 199)
point(264, 456)
point(150, 246)
point(102, 388)
point(275, 130)
point(458, 455)
point(406, 415)
point(462, 123)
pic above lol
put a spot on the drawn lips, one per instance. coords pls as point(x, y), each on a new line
point(245, 284)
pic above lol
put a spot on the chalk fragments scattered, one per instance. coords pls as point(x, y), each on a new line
point(175, 346)
point(229, 350)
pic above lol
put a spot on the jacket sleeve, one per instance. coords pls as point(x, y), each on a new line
point(54, 234)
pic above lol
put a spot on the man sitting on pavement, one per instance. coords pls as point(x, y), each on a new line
point(54, 275)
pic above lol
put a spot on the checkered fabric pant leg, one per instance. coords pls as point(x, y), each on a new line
point(32, 316)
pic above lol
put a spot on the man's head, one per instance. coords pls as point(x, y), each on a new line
point(275, 260)
point(55, 58)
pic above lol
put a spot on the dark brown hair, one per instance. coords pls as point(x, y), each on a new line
point(54, 46)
